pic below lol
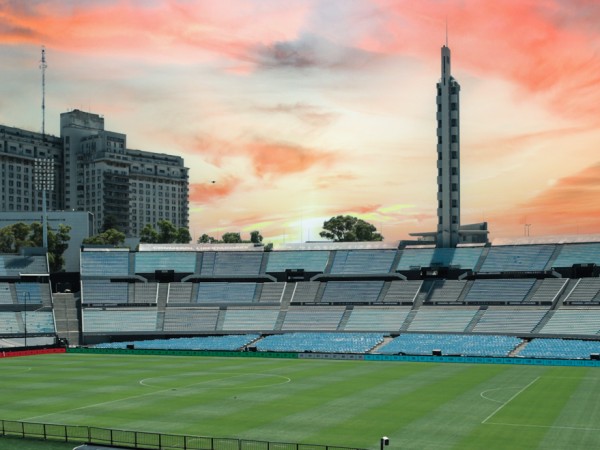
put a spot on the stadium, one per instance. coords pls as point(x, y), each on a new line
point(355, 307)
point(448, 341)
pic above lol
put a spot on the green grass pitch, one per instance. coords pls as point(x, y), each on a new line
point(346, 403)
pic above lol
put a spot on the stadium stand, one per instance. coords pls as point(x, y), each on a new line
point(180, 293)
point(377, 318)
point(317, 318)
point(446, 291)
point(462, 257)
point(104, 263)
point(573, 321)
point(149, 262)
point(513, 258)
point(498, 319)
point(119, 320)
point(505, 291)
point(306, 292)
point(145, 292)
point(104, 292)
point(215, 264)
point(402, 292)
point(187, 320)
point(15, 265)
point(442, 319)
point(320, 342)
point(586, 291)
point(5, 294)
point(560, 348)
point(231, 343)
point(9, 323)
point(225, 292)
point(362, 261)
point(309, 261)
point(578, 254)
point(29, 292)
point(271, 292)
point(41, 322)
point(451, 344)
point(250, 319)
point(351, 291)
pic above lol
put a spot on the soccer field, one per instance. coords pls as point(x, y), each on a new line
point(346, 403)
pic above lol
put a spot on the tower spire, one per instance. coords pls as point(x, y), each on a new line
point(43, 67)
point(446, 31)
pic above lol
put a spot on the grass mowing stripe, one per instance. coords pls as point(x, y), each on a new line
point(497, 410)
point(418, 405)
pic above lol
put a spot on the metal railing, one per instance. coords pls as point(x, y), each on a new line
point(143, 440)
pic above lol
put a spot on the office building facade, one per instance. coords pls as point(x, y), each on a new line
point(94, 171)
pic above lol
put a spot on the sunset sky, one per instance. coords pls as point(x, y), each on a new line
point(300, 110)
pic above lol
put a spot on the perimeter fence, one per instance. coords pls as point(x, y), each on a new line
point(78, 434)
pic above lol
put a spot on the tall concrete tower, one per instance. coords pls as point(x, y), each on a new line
point(448, 156)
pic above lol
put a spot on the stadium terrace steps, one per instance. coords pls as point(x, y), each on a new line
point(576, 321)
point(499, 319)
point(15, 265)
point(442, 319)
point(446, 291)
point(586, 291)
point(351, 291)
point(104, 263)
point(309, 261)
point(250, 319)
point(403, 292)
point(571, 254)
point(499, 291)
point(6, 295)
point(317, 318)
point(546, 291)
point(362, 261)
point(377, 318)
point(190, 319)
point(514, 258)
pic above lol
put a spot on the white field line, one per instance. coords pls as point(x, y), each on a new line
point(93, 405)
point(522, 425)
point(499, 408)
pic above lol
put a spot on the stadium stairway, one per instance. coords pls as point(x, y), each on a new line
point(517, 349)
point(482, 258)
point(286, 298)
point(66, 317)
point(478, 315)
point(345, 318)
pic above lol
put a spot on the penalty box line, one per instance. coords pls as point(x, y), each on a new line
point(499, 408)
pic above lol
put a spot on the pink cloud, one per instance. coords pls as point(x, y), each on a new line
point(213, 190)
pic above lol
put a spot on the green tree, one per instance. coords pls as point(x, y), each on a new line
point(149, 235)
point(256, 237)
point(349, 229)
point(183, 236)
point(58, 242)
point(167, 233)
point(109, 223)
point(231, 238)
point(206, 239)
point(108, 237)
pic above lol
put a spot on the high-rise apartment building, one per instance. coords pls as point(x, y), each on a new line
point(94, 171)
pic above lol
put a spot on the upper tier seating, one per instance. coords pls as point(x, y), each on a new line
point(578, 254)
point(14, 265)
point(30, 292)
point(320, 342)
point(119, 320)
point(548, 290)
point(145, 292)
point(9, 323)
point(442, 319)
point(560, 348)
point(5, 294)
point(305, 292)
point(271, 292)
point(509, 320)
point(403, 292)
point(222, 292)
point(180, 293)
point(104, 263)
point(246, 319)
point(573, 321)
point(446, 291)
point(191, 319)
point(415, 258)
point(310, 261)
point(363, 261)
point(512, 258)
point(313, 318)
point(351, 291)
point(38, 321)
point(216, 264)
point(104, 291)
point(449, 344)
point(499, 291)
point(587, 291)
point(180, 262)
point(377, 318)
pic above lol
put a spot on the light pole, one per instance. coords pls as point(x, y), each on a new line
point(26, 295)
point(43, 180)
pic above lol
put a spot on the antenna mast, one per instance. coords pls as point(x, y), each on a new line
point(43, 67)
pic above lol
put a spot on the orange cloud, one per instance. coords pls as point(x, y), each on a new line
point(570, 206)
point(270, 158)
point(213, 190)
